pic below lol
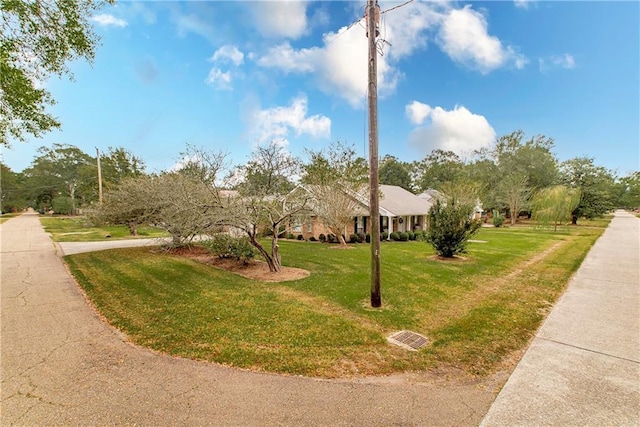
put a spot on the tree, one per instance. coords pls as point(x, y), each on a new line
point(554, 204)
point(532, 158)
point(436, 169)
point(394, 172)
point(12, 194)
point(38, 39)
point(628, 191)
point(59, 172)
point(596, 186)
point(450, 227)
point(337, 179)
point(267, 201)
point(514, 193)
point(118, 164)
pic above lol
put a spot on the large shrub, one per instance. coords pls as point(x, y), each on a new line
point(450, 226)
point(226, 246)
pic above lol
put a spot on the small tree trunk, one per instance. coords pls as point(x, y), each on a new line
point(574, 219)
point(275, 253)
point(274, 266)
point(342, 241)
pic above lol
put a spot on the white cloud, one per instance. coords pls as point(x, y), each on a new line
point(219, 79)
point(228, 53)
point(457, 130)
point(106, 20)
point(280, 18)
point(523, 4)
point(278, 122)
point(417, 112)
point(287, 59)
point(464, 37)
point(557, 61)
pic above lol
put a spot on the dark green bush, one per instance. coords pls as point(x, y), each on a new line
point(225, 246)
point(361, 237)
point(300, 237)
point(367, 238)
point(322, 238)
point(290, 236)
point(394, 236)
point(411, 235)
point(331, 238)
point(403, 237)
point(450, 226)
point(313, 239)
point(384, 235)
point(498, 219)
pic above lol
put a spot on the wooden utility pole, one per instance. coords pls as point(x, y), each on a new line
point(373, 16)
point(99, 176)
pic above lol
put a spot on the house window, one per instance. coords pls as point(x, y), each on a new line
point(309, 226)
point(297, 227)
point(360, 227)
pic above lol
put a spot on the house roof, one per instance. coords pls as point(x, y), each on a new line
point(397, 201)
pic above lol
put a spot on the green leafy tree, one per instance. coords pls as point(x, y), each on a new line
point(12, 194)
point(554, 205)
point(628, 191)
point(38, 39)
point(436, 169)
point(118, 164)
point(60, 171)
point(595, 183)
point(394, 172)
point(450, 227)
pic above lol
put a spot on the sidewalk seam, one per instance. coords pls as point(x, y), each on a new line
point(589, 350)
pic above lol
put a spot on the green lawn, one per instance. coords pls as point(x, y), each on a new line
point(7, 216)
point(475, 313)
point(77, 229)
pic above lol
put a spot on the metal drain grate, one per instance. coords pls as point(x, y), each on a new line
point(407, 339)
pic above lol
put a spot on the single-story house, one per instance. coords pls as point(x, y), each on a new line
point(400, 211)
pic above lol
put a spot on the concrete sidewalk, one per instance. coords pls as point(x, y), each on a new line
point(62, 365)
point(583, 367)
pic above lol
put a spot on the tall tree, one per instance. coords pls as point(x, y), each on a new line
point(514, 192)
point(437, 168)
point(628, 191)
point(38, 39)
point(531, 157)
point(61, 170)
point(337, 179)
point(119, 163)
point(12, 194)
point(596, 185)
point(394, 172)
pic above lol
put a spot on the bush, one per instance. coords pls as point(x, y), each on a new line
point(498, 219)
point(394, 236)
point(225, 246)
point(450, 226)
point(403, 237)
point(290, 236)
point(300, 237)
point(331, 238)
point(367, 238)
point(384, 235)
point(361, 237)
point(313, 239)
point(411, 235)
point(353, 238)
point(322, 238)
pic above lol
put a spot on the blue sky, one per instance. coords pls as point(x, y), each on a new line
point(453, 75)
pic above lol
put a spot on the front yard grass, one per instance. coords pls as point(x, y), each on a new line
point(77, 229)
point(476, 312)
